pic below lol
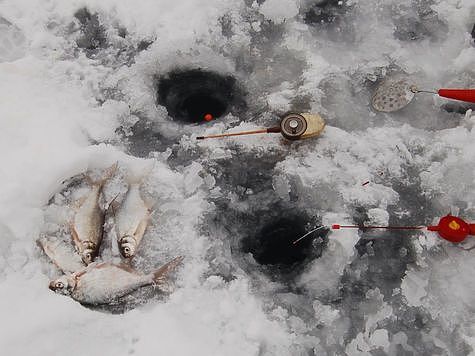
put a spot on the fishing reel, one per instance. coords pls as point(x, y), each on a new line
point(293, 127)
point(301, 126)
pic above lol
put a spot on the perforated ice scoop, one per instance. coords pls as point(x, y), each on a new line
point(394, 95)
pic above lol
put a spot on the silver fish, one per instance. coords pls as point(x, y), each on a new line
point(105, 283)
point(87, 227)
point(131, 220)
point(61, 254)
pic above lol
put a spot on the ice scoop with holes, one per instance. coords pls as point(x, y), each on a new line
point(395, 94)
point(292, 126)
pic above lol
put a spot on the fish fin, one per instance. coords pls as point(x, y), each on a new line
point(166, 287)
point(108, 174)
point(160, 275)
point(100, 265)
point(112, 204)
point(142, 226)
point(48, 245)
point(75, 237)
point(79, 273)
point(43, 244)
point(138, 177)
point(126, 267)
point(89, 267)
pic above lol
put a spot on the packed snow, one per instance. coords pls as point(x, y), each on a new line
point(78, 92)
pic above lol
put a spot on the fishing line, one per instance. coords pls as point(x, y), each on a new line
point(308, 233)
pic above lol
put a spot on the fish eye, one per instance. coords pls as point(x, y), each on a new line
point(126, 249)
point(59, 285)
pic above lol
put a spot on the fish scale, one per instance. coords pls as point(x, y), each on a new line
point(107, 283)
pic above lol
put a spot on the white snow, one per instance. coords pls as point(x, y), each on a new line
point(279, 10)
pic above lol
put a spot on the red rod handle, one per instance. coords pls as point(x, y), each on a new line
point(458, 94)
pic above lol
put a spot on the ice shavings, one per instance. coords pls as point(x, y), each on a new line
point(279, 10)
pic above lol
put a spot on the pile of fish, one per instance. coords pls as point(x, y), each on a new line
point(87, 280)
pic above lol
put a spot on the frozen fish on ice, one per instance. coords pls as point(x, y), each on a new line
point(131, 219)
point(104, 283)
point(87, 227)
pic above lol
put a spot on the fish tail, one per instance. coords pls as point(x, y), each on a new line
point(108, 174)
point(160, 276)
point(43, 243)
point(136, 177)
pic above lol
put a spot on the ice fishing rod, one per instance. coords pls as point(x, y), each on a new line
point(293, 127)
point(450, 228)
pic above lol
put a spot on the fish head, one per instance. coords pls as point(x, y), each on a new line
point(88, 252)
point(63, 285)
point(87, 256)
point(127, 246)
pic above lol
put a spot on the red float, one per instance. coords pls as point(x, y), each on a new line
point(453, 229)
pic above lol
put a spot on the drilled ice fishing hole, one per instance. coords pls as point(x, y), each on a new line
point(273, 245)
point(197, 95)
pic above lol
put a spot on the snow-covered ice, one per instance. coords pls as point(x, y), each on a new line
point(78, 92)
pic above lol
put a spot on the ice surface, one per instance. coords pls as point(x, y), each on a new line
point(78, 92)
point(12, 42)
point(279, 10)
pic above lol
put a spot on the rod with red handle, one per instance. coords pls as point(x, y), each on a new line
point(450, 228)
point(458, 94)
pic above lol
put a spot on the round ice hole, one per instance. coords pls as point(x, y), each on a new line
point(273, 243)
point(196, 95)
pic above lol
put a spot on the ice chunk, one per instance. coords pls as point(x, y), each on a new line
point(380, 338)
point(12, 42)
point(279, 10)
point(414, 287)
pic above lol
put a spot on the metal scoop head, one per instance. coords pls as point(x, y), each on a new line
point(393, 95)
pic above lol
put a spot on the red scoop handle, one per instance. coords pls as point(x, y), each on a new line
point(458, 94)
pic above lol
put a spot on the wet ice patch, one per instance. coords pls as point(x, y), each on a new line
point(320, 12)
point(93, 36)
point(417, 21)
